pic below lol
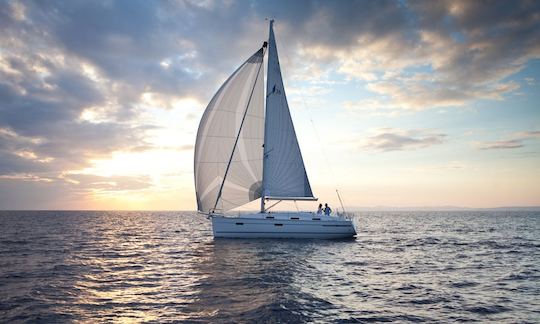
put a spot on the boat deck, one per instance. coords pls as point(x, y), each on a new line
point(288, 215)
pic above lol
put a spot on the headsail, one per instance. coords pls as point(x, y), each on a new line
point(229, 141)
point(284, 171)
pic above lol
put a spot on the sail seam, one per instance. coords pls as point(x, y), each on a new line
point(247, 139)
point(237, 113)
point(233, 161)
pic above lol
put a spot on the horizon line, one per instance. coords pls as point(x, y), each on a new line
point(353, 209)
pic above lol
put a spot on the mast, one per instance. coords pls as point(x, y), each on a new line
point(265, 152)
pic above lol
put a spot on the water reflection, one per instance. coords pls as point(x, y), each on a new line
point(250, 279)
point(162, 267)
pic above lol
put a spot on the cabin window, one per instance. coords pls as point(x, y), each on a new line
point(295, 218)
point(316, 218)
point(278, 224)
point(239, 223)
point(269, 217)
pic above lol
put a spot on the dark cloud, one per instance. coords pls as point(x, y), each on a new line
point(44, 89)
point(334, 23)
point(466, 43)
point(450, 52)
point(26, 194)
point(128, 40)
point(14, 164)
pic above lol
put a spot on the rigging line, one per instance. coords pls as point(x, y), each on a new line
point(239, 130)
point(323, 147)
point(268, 208)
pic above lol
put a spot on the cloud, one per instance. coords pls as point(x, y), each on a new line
point(73, 78)
point(46, 91)
point(29, 191)
point(107, 184)
point(530, 81)
point(374, 107)
point(515, 141)
point(454, 165)
point(527, 135)
point(73, 75)
point(505, 144)
point(429, 54)
point(389, 139)
point(187, 147)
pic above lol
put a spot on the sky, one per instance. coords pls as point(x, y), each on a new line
point(395, 103)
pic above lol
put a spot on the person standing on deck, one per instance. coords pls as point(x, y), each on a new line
point(319, 210)
point(327, 210)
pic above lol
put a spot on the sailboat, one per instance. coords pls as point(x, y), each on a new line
point(246, 150)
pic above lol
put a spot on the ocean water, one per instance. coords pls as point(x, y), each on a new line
point(166, 267)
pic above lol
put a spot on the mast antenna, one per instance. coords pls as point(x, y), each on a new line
point(340, 201)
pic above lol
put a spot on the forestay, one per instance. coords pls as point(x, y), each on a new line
point(230, 139)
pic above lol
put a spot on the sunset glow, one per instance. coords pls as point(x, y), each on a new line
point(100, 102)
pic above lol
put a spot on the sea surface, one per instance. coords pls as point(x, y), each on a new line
point(111, 266)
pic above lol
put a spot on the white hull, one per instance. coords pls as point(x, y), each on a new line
point(282, 225)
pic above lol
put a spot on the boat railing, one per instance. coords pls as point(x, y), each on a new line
point(340, 214)
point(346, 215)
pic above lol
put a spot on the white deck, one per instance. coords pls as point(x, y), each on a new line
point(282, 225)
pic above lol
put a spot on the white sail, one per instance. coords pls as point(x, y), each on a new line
point(284, 171)
point(229, 141)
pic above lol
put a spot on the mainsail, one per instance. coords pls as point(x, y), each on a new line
point(228, 150)
point(284, 172)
